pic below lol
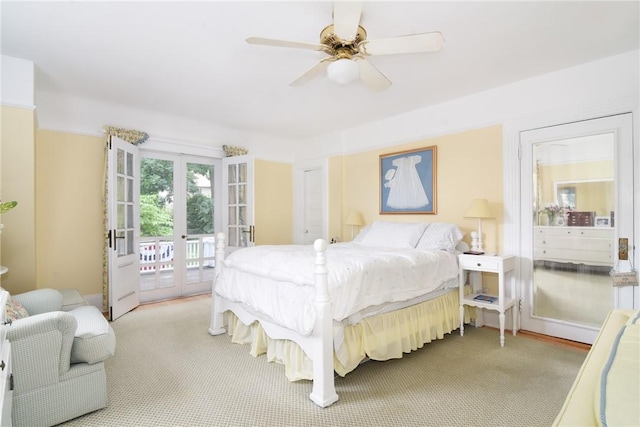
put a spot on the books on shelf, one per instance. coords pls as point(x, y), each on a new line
point(485, 298)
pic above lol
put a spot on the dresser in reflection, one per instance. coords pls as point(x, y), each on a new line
point(574, 245)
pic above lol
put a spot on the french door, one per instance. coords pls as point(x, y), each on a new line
point(122, 206)
point(178, 221)
point(577, 203)
point(237, 192)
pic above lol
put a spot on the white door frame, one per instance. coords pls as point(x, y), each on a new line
point(512, 226)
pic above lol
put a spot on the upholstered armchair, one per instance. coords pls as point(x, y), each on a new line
point(58, 357)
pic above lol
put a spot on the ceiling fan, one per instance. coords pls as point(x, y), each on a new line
point(345, 41)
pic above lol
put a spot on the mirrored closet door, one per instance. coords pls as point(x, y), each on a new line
point(577, 200)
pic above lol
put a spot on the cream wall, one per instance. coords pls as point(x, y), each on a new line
point(469, 166)
point(18, 238)
point(69, 177)
point(273, 202)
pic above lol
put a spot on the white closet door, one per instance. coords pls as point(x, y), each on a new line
point(313, 206)
point(584, 170)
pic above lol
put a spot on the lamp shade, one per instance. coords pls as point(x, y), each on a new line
point(343, 71)
point(479, 208)
point(354, 218)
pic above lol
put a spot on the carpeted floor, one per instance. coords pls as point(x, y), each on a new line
point(168, 371)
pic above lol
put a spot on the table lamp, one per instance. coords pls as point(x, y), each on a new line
point(480, 209)
point(354, 219)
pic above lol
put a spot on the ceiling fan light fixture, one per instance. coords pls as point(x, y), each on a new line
point(343, 71)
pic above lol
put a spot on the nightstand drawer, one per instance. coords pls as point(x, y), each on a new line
point(484, 264)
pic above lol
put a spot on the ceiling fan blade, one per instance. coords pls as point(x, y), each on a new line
point(371, 76)
point(319, 68)
point(415, 43)
point(285, 43)
point(346, 18)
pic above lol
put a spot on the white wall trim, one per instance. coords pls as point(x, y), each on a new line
point(22, 107)
point(177, 147)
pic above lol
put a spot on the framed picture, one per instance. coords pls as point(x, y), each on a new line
point(602, 221)
point(408, 182)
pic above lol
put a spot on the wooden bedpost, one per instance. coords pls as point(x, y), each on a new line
point(217, 323)
point(324, 391)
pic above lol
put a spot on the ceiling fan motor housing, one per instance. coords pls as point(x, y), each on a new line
point(341, 49)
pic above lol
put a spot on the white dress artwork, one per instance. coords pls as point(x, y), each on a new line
point(405, 188)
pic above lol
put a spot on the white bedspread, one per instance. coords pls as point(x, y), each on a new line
point(359, 277)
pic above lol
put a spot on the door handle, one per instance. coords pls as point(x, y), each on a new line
point(115, 240)
point(623, 249)
point(251, 231)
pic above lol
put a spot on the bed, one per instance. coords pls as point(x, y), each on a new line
point(325, 308)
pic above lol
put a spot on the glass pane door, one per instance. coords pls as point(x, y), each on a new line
point(238, 179)
point(178, 219)
point(200, 240)
point(123, 227)
point(157, 248)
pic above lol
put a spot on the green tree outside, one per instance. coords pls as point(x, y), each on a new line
point(156, 198)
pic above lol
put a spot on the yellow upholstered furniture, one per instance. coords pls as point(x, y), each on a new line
point(607, 388)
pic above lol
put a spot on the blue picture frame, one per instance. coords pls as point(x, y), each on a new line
point(408, 182)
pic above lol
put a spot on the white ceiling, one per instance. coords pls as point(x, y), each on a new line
point(189, 59)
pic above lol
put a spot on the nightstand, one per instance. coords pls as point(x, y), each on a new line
point(501, 265)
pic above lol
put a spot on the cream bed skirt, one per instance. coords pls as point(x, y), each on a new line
point(381, 337)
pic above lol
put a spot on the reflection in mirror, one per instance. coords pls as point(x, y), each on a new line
point(573, 252)
point(595, 195)
point(566, 196)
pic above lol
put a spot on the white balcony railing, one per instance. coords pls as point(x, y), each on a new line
point(157, 253)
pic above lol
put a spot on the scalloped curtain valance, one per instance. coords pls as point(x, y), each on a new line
point(134, 137)
point(230, 151)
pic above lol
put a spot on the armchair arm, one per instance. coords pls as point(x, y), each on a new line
point(40, 300)
point(41, 348)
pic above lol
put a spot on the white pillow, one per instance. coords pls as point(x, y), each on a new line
point(393, 235)
point(462, 247)
point(361, 234)
point(440, 236)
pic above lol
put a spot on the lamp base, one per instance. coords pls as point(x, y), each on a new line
point(476, 246)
